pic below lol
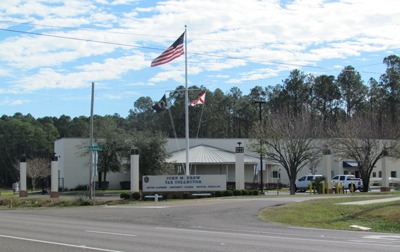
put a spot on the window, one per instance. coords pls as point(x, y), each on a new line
point(380, 174)
point(309, 178)
point(302, 178)
point(374, 174)
point(346, 172)
point(342, 178)
point(274, 174)
point(335, 178)
point(393, 174)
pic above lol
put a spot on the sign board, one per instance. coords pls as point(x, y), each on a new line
point(181, 183)
point(94, 148)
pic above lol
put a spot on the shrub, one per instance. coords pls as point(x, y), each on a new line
point(255, 192)
point(81, 188)
point(228, 193)
point(237, 192)
point(165, 196)
point(218, 194)
point(175, 196)
point(250, 192)
point(245, 192)
point(124, 195)
point(212, 194)
point(186, 195)
point(135, 195)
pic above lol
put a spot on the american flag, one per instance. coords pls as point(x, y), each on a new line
point(173, 52)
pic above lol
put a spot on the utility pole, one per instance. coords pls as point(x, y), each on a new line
point(91, 144)
point(261, 164)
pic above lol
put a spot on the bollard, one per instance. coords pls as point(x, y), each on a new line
point(323, 188)
point(11, 203)
point(340, 188)
point(352, 187)
point(337, 187)
point(327, 187)
point(156, 198)
point(310, 188)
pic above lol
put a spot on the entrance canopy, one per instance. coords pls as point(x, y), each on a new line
point(205, 154)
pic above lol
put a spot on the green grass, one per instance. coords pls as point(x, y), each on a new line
point(326, 213)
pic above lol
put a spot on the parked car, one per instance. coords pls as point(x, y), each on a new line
point(303, 183)
point(346, 182)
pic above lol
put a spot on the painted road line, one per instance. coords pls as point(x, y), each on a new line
point(213, 203)
point(137, 206)
point(100, 232)
point(271, 237)
point(58, 243)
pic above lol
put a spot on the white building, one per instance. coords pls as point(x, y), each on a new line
point(206, 156)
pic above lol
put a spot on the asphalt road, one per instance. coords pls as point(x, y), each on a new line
point(203, 225)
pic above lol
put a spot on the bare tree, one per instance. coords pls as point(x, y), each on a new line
point(288, 140)
point(36, 169)
point(365, 139)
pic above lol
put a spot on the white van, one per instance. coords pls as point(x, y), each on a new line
point(303, 183)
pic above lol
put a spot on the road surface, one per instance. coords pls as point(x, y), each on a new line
point(203, 225)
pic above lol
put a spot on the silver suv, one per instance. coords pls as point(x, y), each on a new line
point(303, 183)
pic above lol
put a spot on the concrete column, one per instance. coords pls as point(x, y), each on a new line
point(327, 166)
point(134, 170)
point(341, 170)
point(239, 168)
point(54, 178)
point(385, 178)
point(22, 178)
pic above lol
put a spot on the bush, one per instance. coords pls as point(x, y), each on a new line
point(245, 192)
point(135, 195)
point(175, 196)
point(255, 192)
point(165, 196)
point(218, 194)
point(228, 193)
point(81, 188)
point(212, 194)
point(250, 192)
point(124, 195)
point(237, 192)
point(186, 195)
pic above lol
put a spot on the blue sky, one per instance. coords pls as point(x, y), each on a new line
point(51, 76)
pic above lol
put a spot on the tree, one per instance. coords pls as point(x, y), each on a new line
point(115, 153)
point(152, 152)
point(364, 139)
point(288, 140)
point(36, 169)
point(326, 95)
point(352, 89)
point(390, 81)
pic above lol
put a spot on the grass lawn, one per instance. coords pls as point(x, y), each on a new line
point(326, 213)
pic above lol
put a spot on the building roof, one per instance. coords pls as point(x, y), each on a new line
point(205, 154)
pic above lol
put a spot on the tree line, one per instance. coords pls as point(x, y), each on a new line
point(326, 98)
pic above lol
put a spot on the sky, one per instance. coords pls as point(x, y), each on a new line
point(51, 51)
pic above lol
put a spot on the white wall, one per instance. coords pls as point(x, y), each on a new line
point(72, 167)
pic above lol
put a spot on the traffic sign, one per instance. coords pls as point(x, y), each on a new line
point(94, 148)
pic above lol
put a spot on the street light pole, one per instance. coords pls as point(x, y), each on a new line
point(261, 164)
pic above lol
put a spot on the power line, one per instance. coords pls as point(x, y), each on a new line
point(198, 54)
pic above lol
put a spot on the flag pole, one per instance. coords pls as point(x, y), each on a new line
point(186, 108)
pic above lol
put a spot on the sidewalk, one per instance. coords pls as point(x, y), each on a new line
point(365, 202)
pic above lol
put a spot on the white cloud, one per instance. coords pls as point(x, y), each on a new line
point(48, 78)
point(338, 66)
point(19, 102)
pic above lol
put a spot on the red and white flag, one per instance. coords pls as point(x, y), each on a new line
point(173, 52)
point(199, 100)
